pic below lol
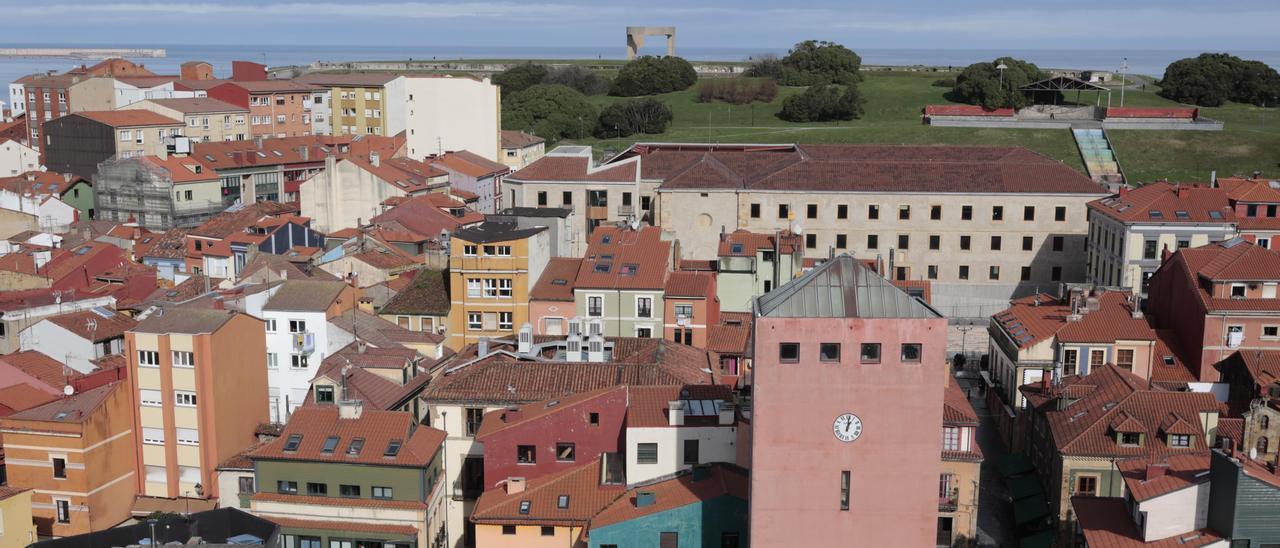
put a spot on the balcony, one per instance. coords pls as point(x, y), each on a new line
point(626, 210)
point(949, 503)
point(304, 342)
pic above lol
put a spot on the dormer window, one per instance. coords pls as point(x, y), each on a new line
point(1130, 439)
point(1179, 440)
point(1237, 291)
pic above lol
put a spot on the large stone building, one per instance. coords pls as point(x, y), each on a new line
point(982, 224)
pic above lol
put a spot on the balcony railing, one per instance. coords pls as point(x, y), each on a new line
point(948, 503)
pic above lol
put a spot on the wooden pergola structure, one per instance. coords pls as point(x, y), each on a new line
point(1060, 84)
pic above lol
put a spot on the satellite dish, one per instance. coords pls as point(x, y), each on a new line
point(1253, 453)
point(635, 223)
point(796, 228)
point(68, 390)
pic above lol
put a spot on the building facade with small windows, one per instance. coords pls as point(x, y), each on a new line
point(1256, 201)
point(960, 479)
point(846, 365)
point(750, 265)
point(347, 475)
point(277, 108)
point(299, 338)
point(205, 119)
point(16, 526)
point(690, 306)
point(1129, 232)
point(671, 429)
point(520, 149)
point(367, 103)
point(706, 506)
point(492, 267)
point(622, 280)
point(200, 386)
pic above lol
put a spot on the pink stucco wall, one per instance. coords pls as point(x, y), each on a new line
point(555, 309)
point(568, 425)
point(796, 459)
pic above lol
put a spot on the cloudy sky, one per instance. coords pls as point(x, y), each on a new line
point(1081, 24)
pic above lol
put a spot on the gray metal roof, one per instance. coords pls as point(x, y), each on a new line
point(842, 288)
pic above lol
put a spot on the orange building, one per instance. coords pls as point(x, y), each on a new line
point(76, 455)
point(199, 378)
point(691, 306)
point(277, 108)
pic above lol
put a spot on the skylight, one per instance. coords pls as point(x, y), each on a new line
point(524, 507)
point(559, 281)
point(1215, 214)
point(293, 442)
point(357, 444)
point(602, 268)
point(629, 269)
point(1181, 214)
point(1156, 214)
point(562, 502)
point(330, 444)
point(393, 449)
point(606, 239)
point(735, 248)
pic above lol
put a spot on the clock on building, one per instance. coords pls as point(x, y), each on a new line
point(847, 427)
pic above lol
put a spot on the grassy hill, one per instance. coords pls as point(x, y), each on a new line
point(1251, 140)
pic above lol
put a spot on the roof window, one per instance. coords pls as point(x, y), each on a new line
point(353, 450)
point(1156, 214)
point(393, 449)
point(330, 443)
point(291, 444)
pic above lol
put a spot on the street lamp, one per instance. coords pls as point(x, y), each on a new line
point(1002, 67)
point(1124, 67)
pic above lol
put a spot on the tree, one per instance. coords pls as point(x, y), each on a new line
point(814, 62)
point(579, 78)
point(649, 75)
point(982, 83)
point(1212, 79)
point(765, 66)
point(823, 104)
point(520, 77)
point(550, 111)
point(633, 116)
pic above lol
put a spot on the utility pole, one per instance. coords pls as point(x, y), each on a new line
point(1124, 68)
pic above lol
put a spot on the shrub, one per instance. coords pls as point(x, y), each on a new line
point(651, 75)
point(822, 104)
point(579, 78)
point(814, 62)
point(520, 77)
point(737, 91)
point(1212, 79)
point(982, 83)
point(944, 83)
point(765, 66)
point(633, 116)
point(550, 111)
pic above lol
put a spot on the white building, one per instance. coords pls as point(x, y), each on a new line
point(445, 112)
point(77, 338)
point(700, 427)
point(296, 319)
point(17, 99)
point(17, 158)
point(320, 112)
point(54, 215)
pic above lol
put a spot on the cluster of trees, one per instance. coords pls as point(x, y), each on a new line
point(524, 76)
point(556, 111)
point(823, 103)
point(1212, 79)
point(649, 75)
point(983, 84)
point(811, 63)
point(632, 116)
point(738, 91)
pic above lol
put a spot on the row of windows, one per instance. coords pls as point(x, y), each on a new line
point(489, 321)
point(904, 212)
point(489, 287)
point(471, 250)
point(322, 490)
point(595, 198)
point(296, 361)
point(295, 326)
point(368, 95)
point(1057, 243)
point(184, 436)
point(154, 398)
point(830, 352)
point(151, 358)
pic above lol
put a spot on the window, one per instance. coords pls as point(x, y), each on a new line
point(291, 444)
point(829, 352)
point(324, 394)
point(870, 353)
point(60, 468)
point(526, 454)
point(994, 274)
point(1056, 274)
point(505, 321)
point(935, 213)
point(811, 211)
point(1027, 243)
point(1029, 213)
point(1060, 213)
point(1179, 440)
point(393, 448)
point(287, 487)
point(153, 436)
point(187, 436)
point(566, 452)
point(566, 197)
point(784, 211)
point(1059, 243)
point(1262, 445)
point(932, 271)
point(184, 399)
point(755, 211)
point(841, 241)
point(644, 307)
point(474, 320)
point(995, 243)
point(475, 415)
point(64, 510)
point(380, 492)
point(950, 438)
point(1131, 439)
point(357, 444)
point(595, 306)
point(904, 241)
point(1087, 486)
point(183, 359)
point(966, 213)
point(1096, 358)
point(647, 453)
point(788, 352)
point(330, 443)
point(1025, 274)
point(911, 352)
point(548, 531)
point(1149, 249)
point(1124, 358)
point(904, 213)
point(1237, 290)
point(810, 241)
point(298, 361)
point(246, 485)
point(542, 198)
point(691, 452)
point(1270, 331)
point(508, 529)
point(297, 326)
point(150, 398)
point(593, 418)
point(842, 211)
point(1069, 358)
point(873, 241)
point(469, 250)
point(997, 213)
point(935, 242)
point(148, 358)
point(844, 490)
point(965, 243)
point(349, 490)
point(318, 489)
point(684, 310)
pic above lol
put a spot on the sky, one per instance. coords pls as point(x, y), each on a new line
point(1216, 25)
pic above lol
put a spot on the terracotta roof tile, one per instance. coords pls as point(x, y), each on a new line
point(383, 260)
point(581, 484)
point(378, 429)
point(497, 421)
point(107, 324)
point(27, 298)
point(427, 214)
point(182, 169)
point(722, 481)
point(519, 139)
point(744, 243)
point(557, 280)
point(22, 396)
point(690, 284)
point(1112, 321)
point(128, 118)
point(956, 407)
point(74, 408)
point(648, 406)
point(620, 258)
point(47, 370)
point(468, 163)
point(236, 219)
point(574, 169)
point(1165, 203)
point(728, 339)
point(1107, 524)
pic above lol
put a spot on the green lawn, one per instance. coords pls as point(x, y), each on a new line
point(893, 102)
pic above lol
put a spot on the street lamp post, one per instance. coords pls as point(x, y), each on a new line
point(1124, 68)
point(1002, 67)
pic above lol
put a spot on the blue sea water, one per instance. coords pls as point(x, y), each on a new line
point(1149, 62)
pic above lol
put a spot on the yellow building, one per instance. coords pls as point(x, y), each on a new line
point(200, 382)
point(369, 103)
point(491, 268)
point(16, 528)
point(961, 470)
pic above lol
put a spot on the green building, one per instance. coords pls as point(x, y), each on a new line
point(706, 506)
point(79, 194)
point(348, 477)
point(750, 265)
point(621, 281)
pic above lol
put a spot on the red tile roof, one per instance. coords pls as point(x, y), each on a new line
point(966, 110)
point(581, 484)
point(690, 284)
point(1112, 321)
point(1165, 203)
point(382, 260)
point(744, 243)
point(468, 163)
point(574, 169)
point(404, 174)
point(1177, 472)
point(1107, 523)
point(22, 396)
point(1232, 260)
point(621, 258)
point(47, 370)
point(1153, 112)
point(129, 118)
point(557, 280)
point(183, 169)
point(28, 298)
point(427, 214)
point(273, 86)
point(74, 408)
point(235, 220)
point(648, 406)
point(519, 139)
point(729, 339)
point(722, 481)
point(376, 427)
point(1032, 319)
point(106, 325)
point(289, 150)
point(197, 105)
point(497, 421)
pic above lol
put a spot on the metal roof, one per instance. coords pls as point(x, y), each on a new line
point(842, 288)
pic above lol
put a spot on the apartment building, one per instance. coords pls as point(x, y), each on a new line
point(76, 455)
point(111, 93)
point(1129, 231)
point(621, 282)
point(42, 97)
point(17, 158)
point(352, 189)
point(298, 338)
point(519, 149)
point(273, 169)
point(961, 476)
point(1256, 202)
point(690, 306)
point(706, 506)
point(77, 143)
point(157, 192)
point(492, 267)
point(551, 299)
point(349, 475)
point(277, 108)
point(206, 119)
point(1218, 299)
point(841, 410)
point(749, 265)
point(1166, 501)
point(199, 383)
point(362, 103)
point(446, 112)
point(474, 174)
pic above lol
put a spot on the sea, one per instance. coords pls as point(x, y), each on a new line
point(1147, 62)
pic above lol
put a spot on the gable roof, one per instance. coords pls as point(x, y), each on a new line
point(378, 428)
point(106, 323)
point(519, 139)
point(405, 174)
point(47, 370)
point(22, 396)
point(1227, 261)
point(842, 288)
point(468, 163)
point(621, 258)
point(1107, 522)
point(722, 480)
point(74, 408)
point(744, 243)
point(128, 118)
point(558, 168)
point(305, 295)
point(497, 421)
point(587, 496)
point(427, 295)
point(197, 105)
point(557, 280)
point(427, 214)
point(237, 217)
point(185, 320)
point(182, 169)
point(690, 284)
point(1165, 203)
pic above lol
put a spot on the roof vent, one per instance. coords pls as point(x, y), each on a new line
point(515, 485)
point(645, 498)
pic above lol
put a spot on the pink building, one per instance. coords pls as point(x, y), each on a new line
point(1218, 299)
point(847, 423)
point(551, 304)
point(533, 440)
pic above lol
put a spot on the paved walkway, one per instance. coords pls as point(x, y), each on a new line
point(995, 509)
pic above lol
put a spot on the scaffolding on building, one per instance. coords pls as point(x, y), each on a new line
point(131, 188)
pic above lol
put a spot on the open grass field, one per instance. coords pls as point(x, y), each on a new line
point(1251, 140)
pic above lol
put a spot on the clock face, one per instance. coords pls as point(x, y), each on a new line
point(847, 427)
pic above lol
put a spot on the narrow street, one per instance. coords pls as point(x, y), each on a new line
point(995, 510)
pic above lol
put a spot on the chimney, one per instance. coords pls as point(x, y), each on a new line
point(375, 159)
point(515, 485)
point(482, 346)
point(729, 412)
point(361, 346)
point(1124, 190)
point(350, 409)
point(1213, 179)
point(305, 152)
point(257, 142)
point(645, 498)
point(1180, 191)
point(1165, 254)
point(512, 414)
point(675, 413)
point(1155, 471)
point(162, 152)
point(525, 339)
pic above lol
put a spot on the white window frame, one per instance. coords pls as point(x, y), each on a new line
point(271, 325)
point(152, 436)
point(505, 288)
point(475, 321)
point(147, 363)
point(601, 298)
point(184, 359)
point(637, 304)
point(474, 287)
point(506, 321)
point(273, 360)
point(298, 362)
point(150, 398)
point(187, 436)
point(184, 398)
